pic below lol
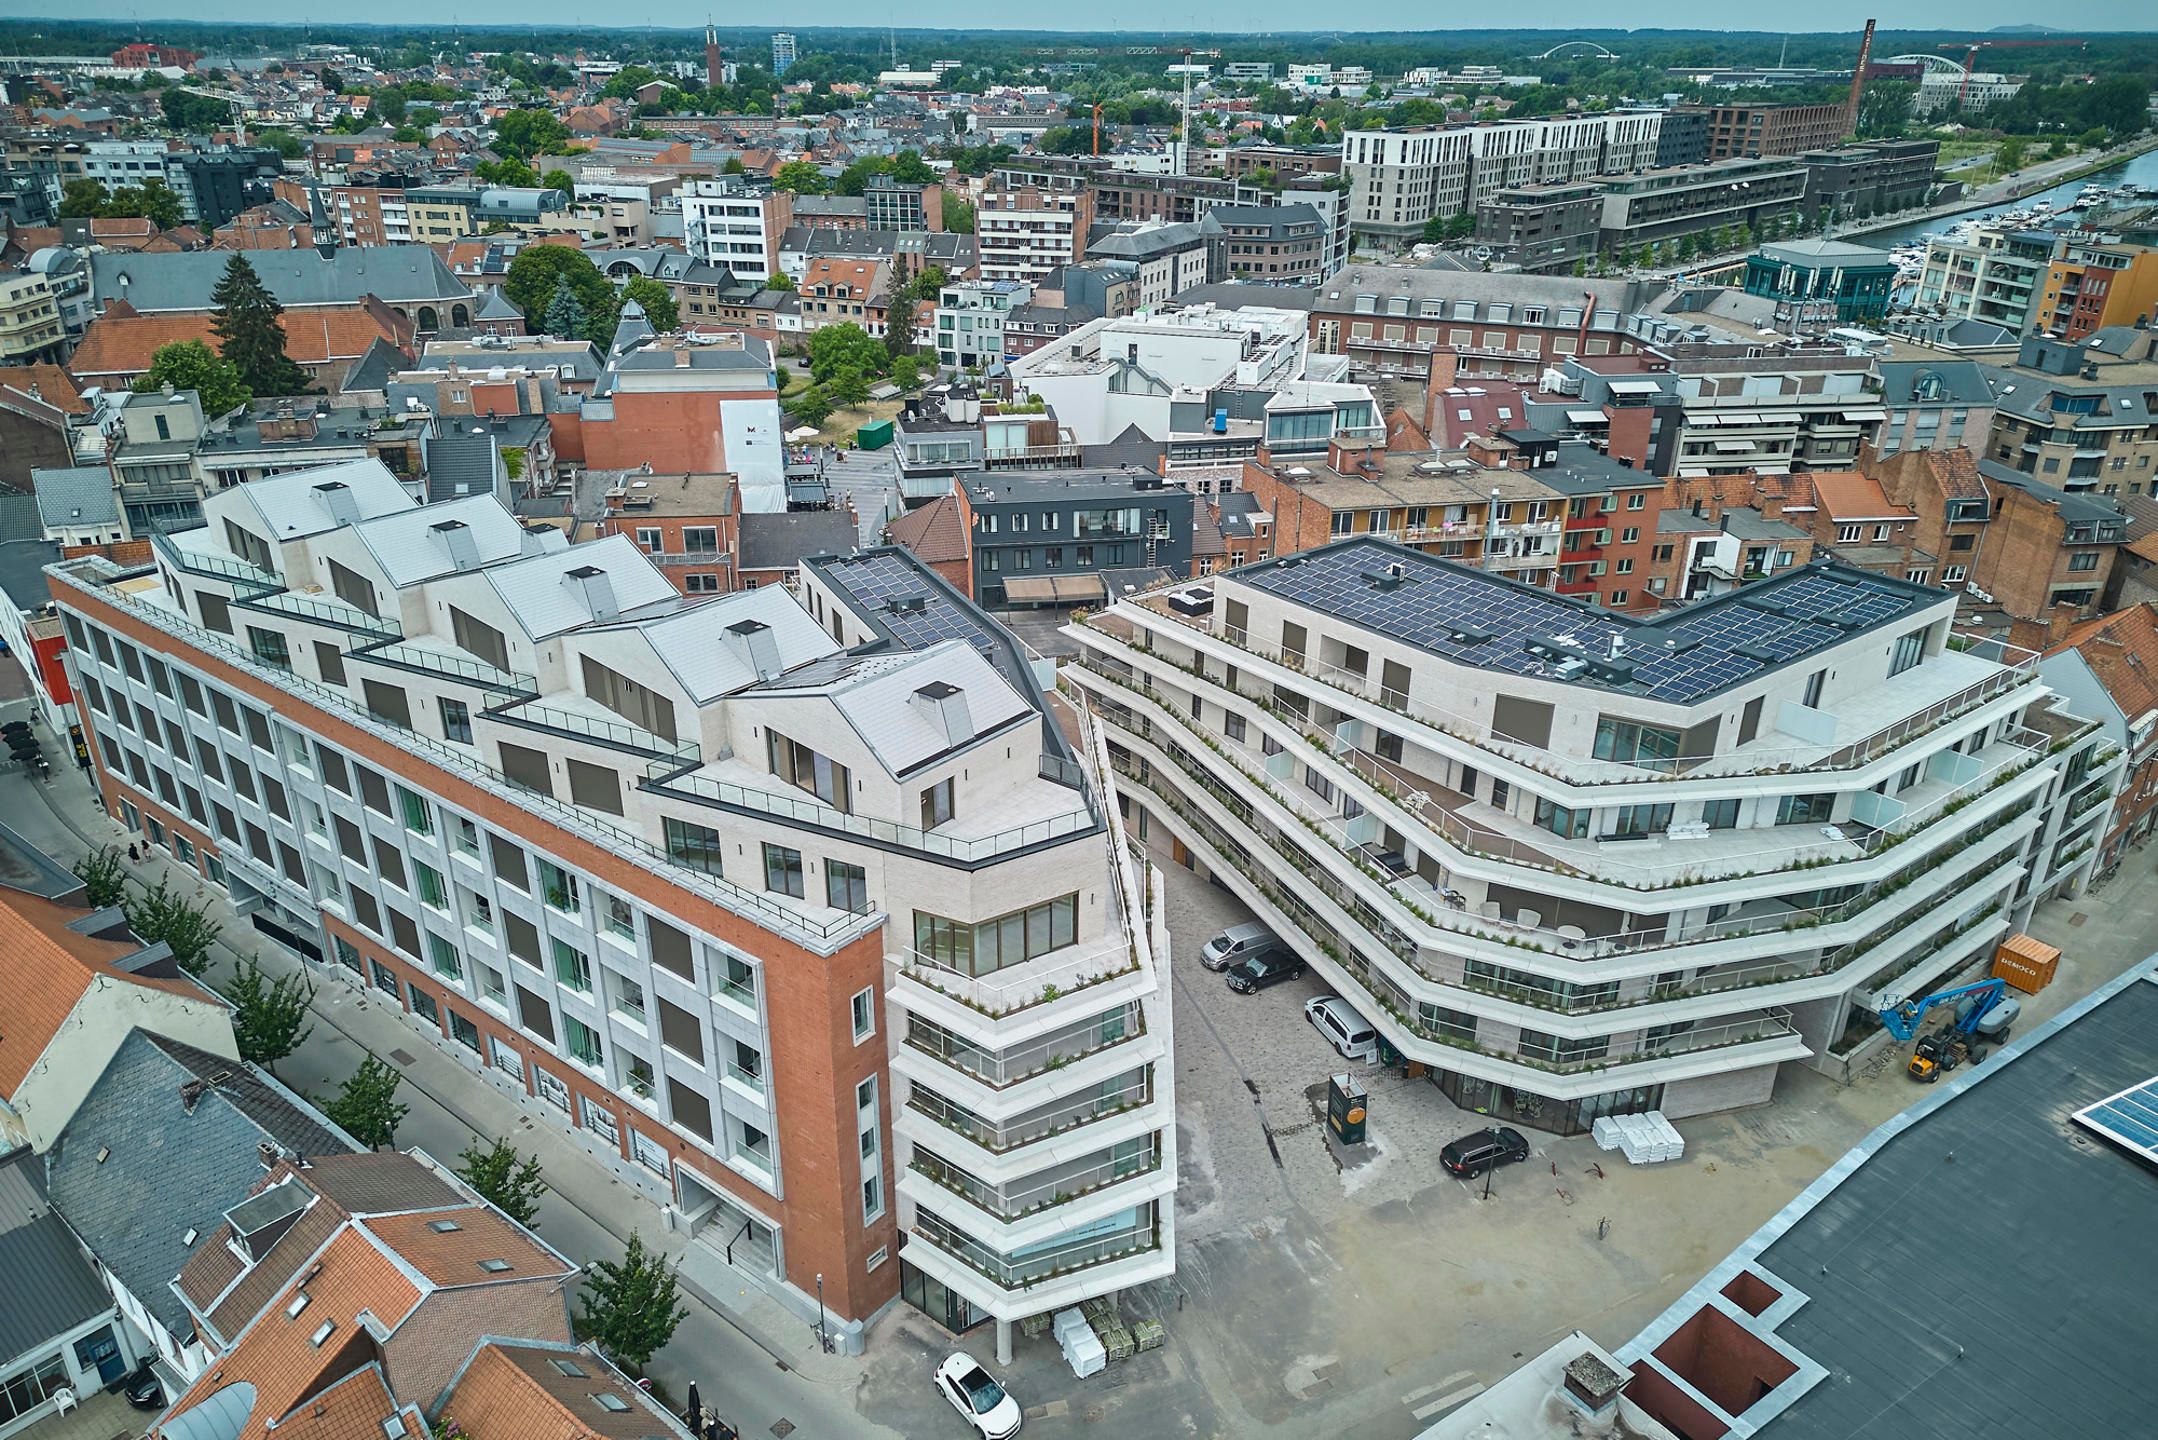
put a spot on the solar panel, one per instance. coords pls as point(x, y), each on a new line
point(1461, 613)
point(2129, 1119)
point(895, 598)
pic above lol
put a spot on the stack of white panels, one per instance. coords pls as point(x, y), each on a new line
point(1083, 1350)
point(1647, 1139)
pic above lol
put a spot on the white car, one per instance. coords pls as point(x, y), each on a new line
point(974, 1394)
point(1344, 1029)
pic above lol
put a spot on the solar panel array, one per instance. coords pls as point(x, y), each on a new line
point(2129, 1119)
point(1469, 616)
point(876, 579)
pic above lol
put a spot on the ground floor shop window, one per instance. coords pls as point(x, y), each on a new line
point(1506, 1105)
point(938, 1301)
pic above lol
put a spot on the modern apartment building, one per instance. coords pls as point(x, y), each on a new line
point(737, 223)
point(1285, 243)
point(1657, 206)
point(1717, 408)
point(1024, 233)
point(1995, 274)
point(1571, 862)
point(782, 54)
point(1401, 178)
point(1398, 179)
point(2094, 285)
point(1754, 130)
point(1543, 229)
point(1879, 177)
point(796, 908)
point(970, 319)
point(30, 328)
point(1559, 151)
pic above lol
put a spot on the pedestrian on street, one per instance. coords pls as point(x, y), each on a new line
point(134, 856)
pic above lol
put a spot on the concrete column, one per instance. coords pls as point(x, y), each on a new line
point(1004, 1342)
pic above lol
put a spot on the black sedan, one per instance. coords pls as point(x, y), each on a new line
point(1472, 1155)
point(1260, 971)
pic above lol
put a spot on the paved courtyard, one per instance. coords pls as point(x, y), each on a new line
point(1365, 1295)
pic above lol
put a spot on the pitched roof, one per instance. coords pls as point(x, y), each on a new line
point(121, 342)
point(400, 274)
point(480, 1238)
point(54, 386)
point(75, 495)
point(2122, 651)
point(524, 1391)
point(51, 1289)
point(46, 969)
point(935, 532)
point(1850, 496)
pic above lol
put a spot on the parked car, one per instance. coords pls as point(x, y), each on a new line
point(1344, 1029)
point(143, 1390)
point(1473, 1154)
point(1268, 967)
point(978, 1397)
point(1235, 944)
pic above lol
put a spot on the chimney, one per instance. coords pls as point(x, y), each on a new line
point(945, 707)
point(754, 644)
point(2061, 619)
point(1592, 1385)
point(456, 538)
point(596, 589)
point(336, 497)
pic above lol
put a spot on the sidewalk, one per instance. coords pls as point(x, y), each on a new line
point(736, 1333)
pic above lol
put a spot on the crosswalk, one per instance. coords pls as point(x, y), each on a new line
point(1441, 1396)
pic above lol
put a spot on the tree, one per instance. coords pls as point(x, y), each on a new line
point(104, 877)
point(812, 407)
point(249, 333)
point(152, 200)
point(779, 280)
point(906, 372)
point(899, 303)
point(514, 174)
point(192, 365)
point(931, 280)
point(733, 166)
point(560, 180)
point(164, 914)
point(521, 134)
point(506, 1180)
point(284, 142)
point(1064, 140)
point(656, 300)
point(565, 319)
point(366, 1107)
point(1884, 108)
point(802, 178)
point(1647, 257)
point(269, 1016)
point(185, 110)
point(849, 387)
point(631, 1309)
point(2009, 156)
point(838, 346)
point(82, 200)
point(958, 215)
point(530, 281)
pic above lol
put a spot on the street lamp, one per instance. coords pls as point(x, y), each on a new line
point(824, 1339)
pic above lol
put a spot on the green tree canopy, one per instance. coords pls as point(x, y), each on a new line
point(82, 199)
point(958, 214)
point(630, 1308)
point(163, 913)
point(104, 877)
point(192, 365)
point(530, 282)
point(506, 1180)
point(560, 180)
point(513, 173)
point(779, 280)
point(836, 347)
point(655, 299)
point(566, 318)
point(250, 334)
point(802, 178)
point(366, 1107)
point(269, 1019)
point(184, 110)
point(521, 134)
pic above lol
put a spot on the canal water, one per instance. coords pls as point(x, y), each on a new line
point(2139, 170)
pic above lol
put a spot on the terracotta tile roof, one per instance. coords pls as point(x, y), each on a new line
point(447, 1258)
point(120, 343)
point(353, 1408)
point(2122, 651)
point(1848, 496)
point(1206, 531)
point(280, 1356)
point(54, 386)
point(236, 1307)
point(46, 969)
point(934, 532)
point(512, 1391)
point(844, 279)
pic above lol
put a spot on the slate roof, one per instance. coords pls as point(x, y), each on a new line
point(170, 1168)
point(1963, 382)
point(399, 274)
point(783, 541)
point(75, 495)
point(51, 1288)
point(459, 463)
point(20, 518)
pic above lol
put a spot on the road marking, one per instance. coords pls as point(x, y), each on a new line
point(1448, 1402)
point(1462, 1378)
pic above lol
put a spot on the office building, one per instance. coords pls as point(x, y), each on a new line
point(1542, 229)
point(1879, 177)
point(890, 204)
point(782, 54)
point(1284, 243)
point(1682, 137)
point(1754, 130)
point(1576, 863)
point(796, 907)
point(1822, 280)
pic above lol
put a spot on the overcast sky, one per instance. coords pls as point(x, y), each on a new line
point(1154, 15)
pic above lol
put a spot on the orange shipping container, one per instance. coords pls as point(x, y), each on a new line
point(2026, 963)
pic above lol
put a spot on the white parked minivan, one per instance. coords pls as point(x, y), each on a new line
point(1344, 1029)
point(1236, 944)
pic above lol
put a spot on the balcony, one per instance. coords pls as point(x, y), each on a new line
point(1036, 1265)
point(1044, 1190)
point(1021, 987)
point(1004, 1068)
point(1057, 1118)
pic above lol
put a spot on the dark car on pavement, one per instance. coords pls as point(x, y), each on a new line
point(1474, 1154)
point(1267, 968)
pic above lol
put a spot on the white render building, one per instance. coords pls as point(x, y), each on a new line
point(1574, 862)
point(796, 907)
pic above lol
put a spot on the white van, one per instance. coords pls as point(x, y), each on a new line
point(1237, 944)
point(1344, 1029)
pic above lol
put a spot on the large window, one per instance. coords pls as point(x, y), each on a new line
point(783, 871)
point(635, 703)
point(695, 846)
point(1572, 824)
point(804, 768)
point(32, 1388)
point(846, 887)
point(1633, 744)
point(1910, 649)
point(1805, 809)
point(993, 944)
point(1633, 822)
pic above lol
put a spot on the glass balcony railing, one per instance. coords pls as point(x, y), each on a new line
point(1060, 1187)
point(1028, 1268)
point(1059, 1118)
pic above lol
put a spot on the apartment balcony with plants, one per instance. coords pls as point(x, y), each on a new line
point(1035, 1102)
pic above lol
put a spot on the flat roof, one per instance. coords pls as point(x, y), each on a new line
point(1681, 657)
point(1978, 1265)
